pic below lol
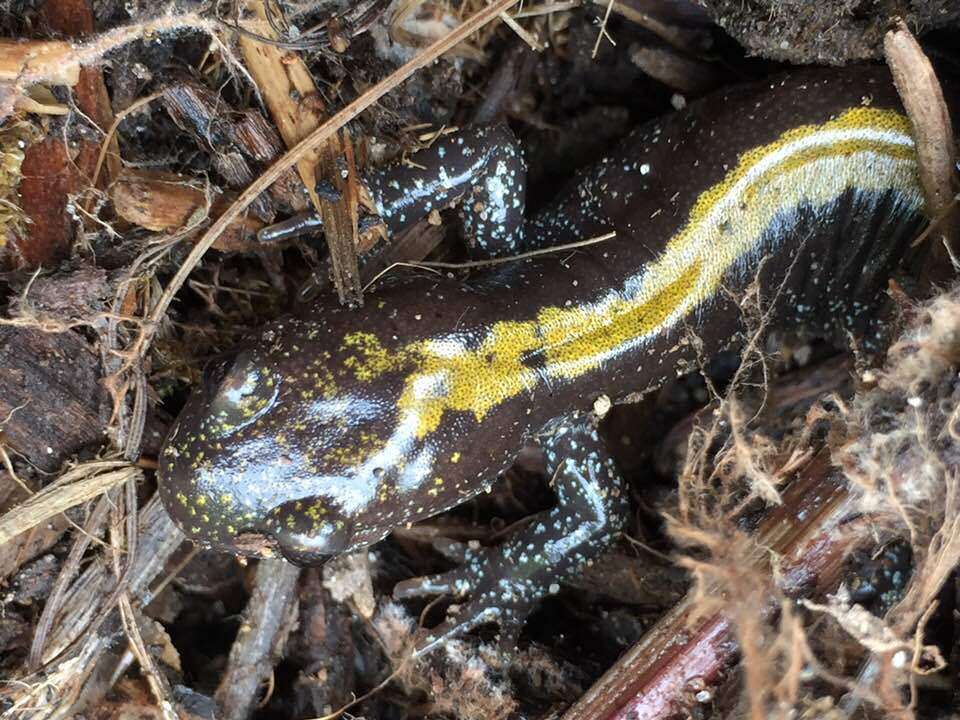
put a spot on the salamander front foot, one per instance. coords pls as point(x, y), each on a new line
point(496, 595)
point(504, 583)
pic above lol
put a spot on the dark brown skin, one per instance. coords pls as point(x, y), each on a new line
point(323, 433)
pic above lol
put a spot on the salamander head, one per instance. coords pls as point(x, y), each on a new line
point(281, 448)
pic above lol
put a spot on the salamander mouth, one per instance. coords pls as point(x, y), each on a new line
point(303, 543)
point(293, 547)
point(255, 544)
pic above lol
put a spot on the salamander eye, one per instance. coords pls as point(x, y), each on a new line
point(238, 391)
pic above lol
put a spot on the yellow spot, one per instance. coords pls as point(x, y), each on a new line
point(324, 382)
point(201, 500)
point(316, 511)
point(455, 458)
point(372, 359)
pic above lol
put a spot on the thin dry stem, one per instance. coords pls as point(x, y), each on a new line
point(105, 145)
point(602, 33)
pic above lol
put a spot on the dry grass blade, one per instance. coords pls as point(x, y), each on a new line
point(105, 146)
point(603, 29)
point(435, 265)
point(76, 486)
point(528, 38)
point(74, 647)
point(68, 572)
point(547, 8)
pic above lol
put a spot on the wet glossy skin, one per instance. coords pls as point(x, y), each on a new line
point(325, 432)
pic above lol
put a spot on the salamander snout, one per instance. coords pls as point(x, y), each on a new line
point(203, 472)
point(284, 451)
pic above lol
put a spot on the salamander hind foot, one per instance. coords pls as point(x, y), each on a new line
point(504, 583)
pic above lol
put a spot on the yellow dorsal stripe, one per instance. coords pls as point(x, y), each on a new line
point(811, 164)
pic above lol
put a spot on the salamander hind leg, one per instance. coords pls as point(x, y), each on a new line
point(505, 582)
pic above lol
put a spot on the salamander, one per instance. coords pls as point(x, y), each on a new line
point(324, 431)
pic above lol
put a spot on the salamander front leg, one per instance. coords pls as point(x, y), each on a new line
point(479, 169)
point(504, 583)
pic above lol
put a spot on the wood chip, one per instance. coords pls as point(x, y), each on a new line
point(165, 202)
point(922, 97)
point(296, 107)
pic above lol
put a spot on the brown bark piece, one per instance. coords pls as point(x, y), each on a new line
point(165, 202)
point(672, 68)
point(75, 294)
point(53, 405)
point(51, 170)
point(822, 33)
point(49, 174)
point(687, 650)
point(29, 544)
point(51, 395)
point(74, 18)
point(340, 220)
point(267, 621)
point(19, 57)
point(240, 144)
